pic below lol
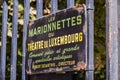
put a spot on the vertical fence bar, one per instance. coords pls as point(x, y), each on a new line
point(26, 21)
point(39, 8)
point(90, 25)
point(4, 38)
point(112, 39)
point(54, 6)
point(119, 38)
point(70, 3)
point(14, 40)
point(107, 59)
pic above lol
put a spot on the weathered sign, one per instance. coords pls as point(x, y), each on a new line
point(57, 42)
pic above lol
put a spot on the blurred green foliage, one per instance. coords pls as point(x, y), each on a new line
point(99, 34)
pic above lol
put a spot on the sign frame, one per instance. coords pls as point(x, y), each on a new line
point(80, 66)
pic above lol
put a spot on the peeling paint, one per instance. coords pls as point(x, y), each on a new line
point(80, 66)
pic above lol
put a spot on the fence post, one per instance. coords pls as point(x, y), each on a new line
point(26, 21)
point(4, 38)
point(70, 3)
point(39, 8)
point(54, 6)
point(90, 25)
point(119, 39)
point(14, 40)
point(112, 39)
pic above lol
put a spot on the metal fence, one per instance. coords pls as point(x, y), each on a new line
point(113, 39)
point(39, 7)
